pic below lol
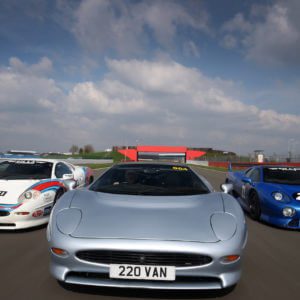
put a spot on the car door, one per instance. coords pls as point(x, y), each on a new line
point(239, 184)
point(254, 175)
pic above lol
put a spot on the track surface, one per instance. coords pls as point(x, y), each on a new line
point(271, 268)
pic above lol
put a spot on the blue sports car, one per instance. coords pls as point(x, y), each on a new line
point(269, 193)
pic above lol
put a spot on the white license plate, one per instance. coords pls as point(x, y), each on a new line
point(142, 272)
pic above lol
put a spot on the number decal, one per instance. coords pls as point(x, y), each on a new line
point(130, 270)
point(179, 168)
point(137, 271)
point(122, 272)
point(3, 193)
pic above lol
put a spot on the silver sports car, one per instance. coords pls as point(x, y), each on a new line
point(148, 225)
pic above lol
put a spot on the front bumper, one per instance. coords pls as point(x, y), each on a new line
point(13, 220)
point(272, 213)
point(215, 275)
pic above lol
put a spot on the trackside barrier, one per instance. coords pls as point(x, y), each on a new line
point(243, 165)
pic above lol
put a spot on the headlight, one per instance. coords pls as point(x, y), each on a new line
point(28, 195)
point(277, 196)
point(288, 211)
point(68, 219)
point(224, 225)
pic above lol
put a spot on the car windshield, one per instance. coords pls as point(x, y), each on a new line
point(25, 169)
point(283, 175)
point(148, 179)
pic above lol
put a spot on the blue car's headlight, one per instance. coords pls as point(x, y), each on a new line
point(277, 196)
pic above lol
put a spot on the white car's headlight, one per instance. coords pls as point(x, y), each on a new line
point(28, 195)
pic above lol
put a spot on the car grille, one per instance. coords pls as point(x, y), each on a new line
point(4, 213)
point(143, 258)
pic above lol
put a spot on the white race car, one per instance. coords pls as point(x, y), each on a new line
point(29, 189)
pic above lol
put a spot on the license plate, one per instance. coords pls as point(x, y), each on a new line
point(142, 272)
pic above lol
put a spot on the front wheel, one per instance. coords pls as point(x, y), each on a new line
point(254, 206)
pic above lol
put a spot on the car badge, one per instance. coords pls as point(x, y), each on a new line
point(3, 193)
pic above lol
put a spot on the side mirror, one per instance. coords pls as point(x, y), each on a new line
point(226, 187)
point(70, 184)
point(247, 180)
point(68, 176)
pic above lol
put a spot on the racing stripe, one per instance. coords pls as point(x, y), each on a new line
point(9, 206)
point(46, 185)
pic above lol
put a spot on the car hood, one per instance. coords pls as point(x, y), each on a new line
point(172, 218)
point(13, 189)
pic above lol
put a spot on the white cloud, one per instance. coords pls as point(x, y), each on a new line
point(238, 23)
point(44, 66)
point(24, 87)
point(155, 102)
point(271, 35)
point(108, 98)
point(126, 27)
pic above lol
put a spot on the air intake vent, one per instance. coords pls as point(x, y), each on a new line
point(143, 258)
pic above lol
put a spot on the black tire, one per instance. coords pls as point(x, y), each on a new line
point(254, 206)
point(59, 193)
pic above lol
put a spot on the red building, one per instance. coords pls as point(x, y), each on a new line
point(162, 153)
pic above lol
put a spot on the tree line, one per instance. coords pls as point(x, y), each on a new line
point(82, 150)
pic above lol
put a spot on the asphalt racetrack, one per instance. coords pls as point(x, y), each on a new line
point(271, 267)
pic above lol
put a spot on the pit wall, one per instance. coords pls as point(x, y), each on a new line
point(225, 164)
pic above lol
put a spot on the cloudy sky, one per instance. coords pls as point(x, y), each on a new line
point(222, 74)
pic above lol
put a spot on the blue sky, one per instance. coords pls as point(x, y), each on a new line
point(222, 74)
